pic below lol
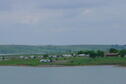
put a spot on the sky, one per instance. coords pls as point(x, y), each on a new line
point(62, 22)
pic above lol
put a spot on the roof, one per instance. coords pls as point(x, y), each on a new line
point(112, 54)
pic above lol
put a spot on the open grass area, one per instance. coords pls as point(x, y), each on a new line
point(71, 61)
point(97, 61)
point(31, 62)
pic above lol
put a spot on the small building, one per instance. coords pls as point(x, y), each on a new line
point(40, 56)
point(3, 58)
point(112, 54)
point(32, 57)
point(21, 57)
point(45, 60)
point(26, 57)
point(54, 56)
point(67, 55)
point(83, 55)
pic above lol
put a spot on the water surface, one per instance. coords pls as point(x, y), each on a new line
point(63, 75)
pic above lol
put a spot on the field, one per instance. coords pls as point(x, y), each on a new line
point(69, 61)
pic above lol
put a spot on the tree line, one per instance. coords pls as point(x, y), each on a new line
point(100, 53)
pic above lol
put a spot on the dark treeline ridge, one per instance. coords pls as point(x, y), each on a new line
point(53, 49)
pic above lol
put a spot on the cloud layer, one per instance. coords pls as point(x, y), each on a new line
point(62, 21)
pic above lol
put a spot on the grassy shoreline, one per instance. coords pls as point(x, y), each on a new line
point(72, 61)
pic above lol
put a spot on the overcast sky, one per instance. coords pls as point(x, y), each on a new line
point(62, 22)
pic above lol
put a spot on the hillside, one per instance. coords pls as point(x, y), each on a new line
point(27, 49)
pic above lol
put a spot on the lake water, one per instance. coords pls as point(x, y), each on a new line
point(63, 75)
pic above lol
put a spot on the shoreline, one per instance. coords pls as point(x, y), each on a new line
point(62, 65)
point(68, 62)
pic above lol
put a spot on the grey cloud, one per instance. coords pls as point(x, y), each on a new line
point(4, 5)
point(62, 21)
point(51, 4)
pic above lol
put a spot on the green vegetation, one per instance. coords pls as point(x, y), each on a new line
point(98, 61)
point(71, 61)
point(22, 62)
point(122, 52)
point(75, 58)
point(25, 49)
point(29, 62)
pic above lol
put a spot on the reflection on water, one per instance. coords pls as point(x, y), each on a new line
point(63, 75)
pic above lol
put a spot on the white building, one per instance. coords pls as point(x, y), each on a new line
point(45, 61)
point(26, 57)
point(32, 57)
point(82, 55)
point(21, 57)
point(67, 55)
point(40, 56)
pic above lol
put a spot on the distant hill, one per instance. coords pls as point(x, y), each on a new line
point(27, 49)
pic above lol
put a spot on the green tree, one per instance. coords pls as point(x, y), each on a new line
point(100, 53)
point(51, 60)
point(45, 56)
point(113, 50)
point(122, 52)
point(80, 52)
point(92, 54)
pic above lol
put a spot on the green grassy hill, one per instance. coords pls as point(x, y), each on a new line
point(27, 49)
